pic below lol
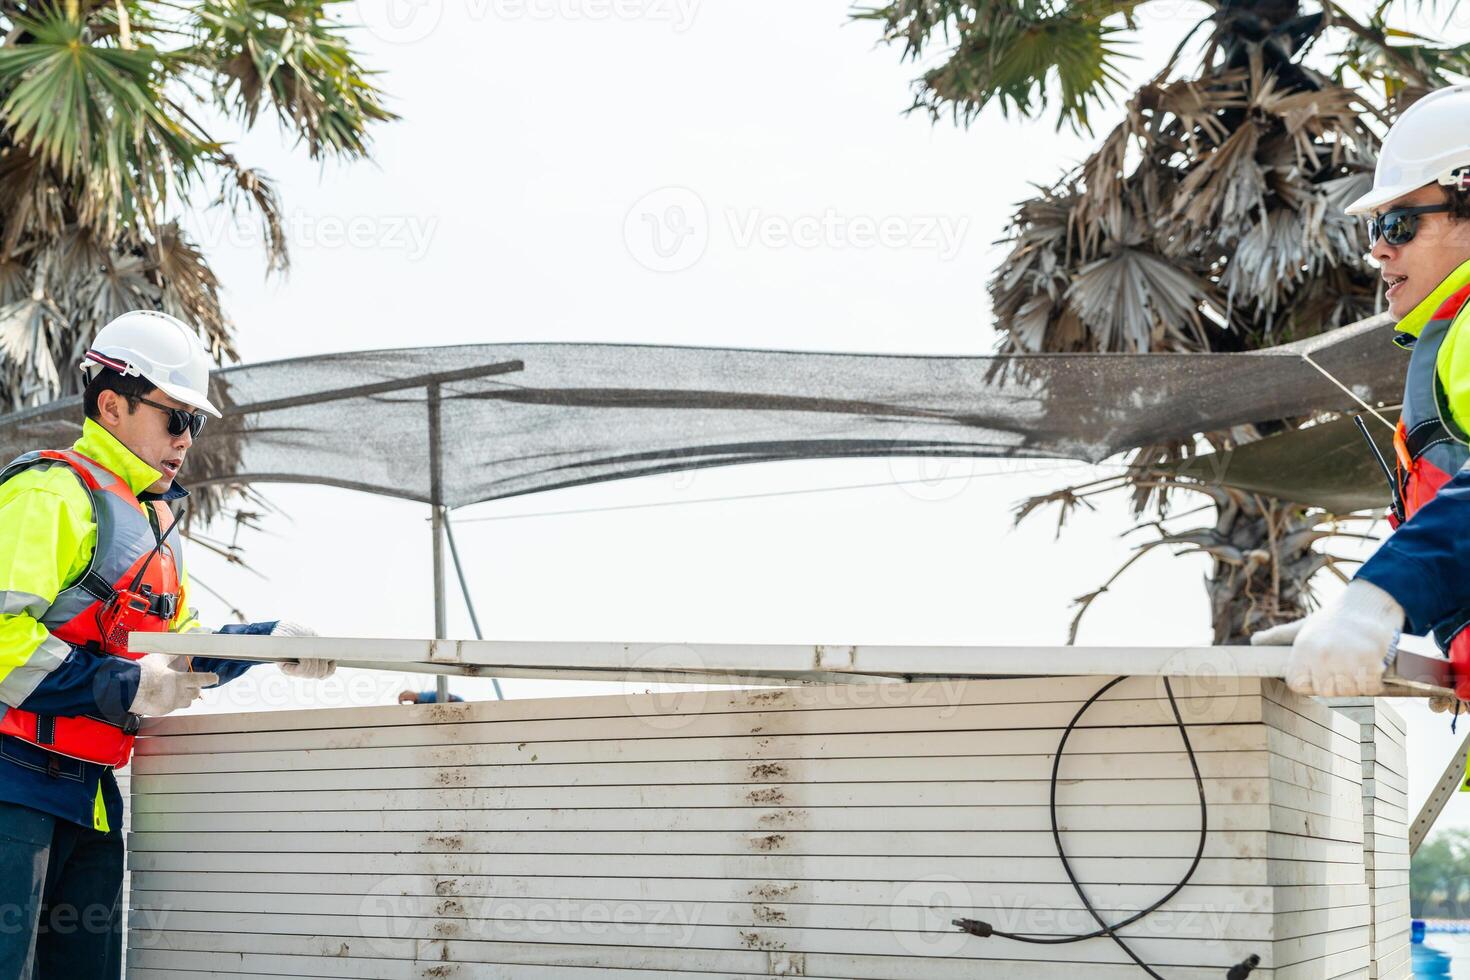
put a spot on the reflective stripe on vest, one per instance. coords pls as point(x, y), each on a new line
point(1428, 454)
point(125, 538)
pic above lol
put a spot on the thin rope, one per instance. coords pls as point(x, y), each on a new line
point(1349, 392)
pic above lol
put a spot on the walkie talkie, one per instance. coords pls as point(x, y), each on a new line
point(126, 609)
point(1396, 492)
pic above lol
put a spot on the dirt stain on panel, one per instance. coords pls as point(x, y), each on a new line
point(766, 914)
point(754, 940)
point(447, 712)
point(784, 818)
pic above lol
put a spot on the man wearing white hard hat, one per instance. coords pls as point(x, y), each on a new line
point(1418, 581)
point(90, 551)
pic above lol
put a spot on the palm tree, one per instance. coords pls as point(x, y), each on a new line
point(1209, 219)
point(105, 115)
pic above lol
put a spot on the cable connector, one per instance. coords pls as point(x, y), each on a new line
point(1244, 968)
point(974, 927)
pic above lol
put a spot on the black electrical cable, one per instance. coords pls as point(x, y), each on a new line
point(978, 927)
point(1061, 852)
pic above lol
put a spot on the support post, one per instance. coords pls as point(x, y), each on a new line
point(437, 509)
point(441, 625)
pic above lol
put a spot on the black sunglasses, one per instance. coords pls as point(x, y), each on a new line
point(179, 421)
point(1398, 226)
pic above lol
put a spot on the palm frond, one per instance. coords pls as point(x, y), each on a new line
point(1022, 55)
point(1131, 301)
point(95, 115)
point(254, 189)
point(1401, 65)
point(290, 56)
point(27, 330)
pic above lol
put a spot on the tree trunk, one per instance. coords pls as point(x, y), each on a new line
point(1261, 567)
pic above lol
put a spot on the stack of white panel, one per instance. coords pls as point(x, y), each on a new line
point(1385, 825)
point(822, 832)
point(124, 787)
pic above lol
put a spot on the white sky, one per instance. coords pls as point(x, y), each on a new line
point(541, 145)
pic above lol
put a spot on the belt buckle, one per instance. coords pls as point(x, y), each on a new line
point(163, 604)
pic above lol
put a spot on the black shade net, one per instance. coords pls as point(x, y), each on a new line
point(459, 425)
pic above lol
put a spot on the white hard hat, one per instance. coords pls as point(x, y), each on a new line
point(161, 349)
point(1429, 143)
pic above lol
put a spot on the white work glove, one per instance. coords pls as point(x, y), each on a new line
point(1342, 649)
point(162, 689)
point(307, 670)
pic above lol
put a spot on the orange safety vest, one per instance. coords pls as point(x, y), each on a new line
point(1427, 455)
point(130, 585)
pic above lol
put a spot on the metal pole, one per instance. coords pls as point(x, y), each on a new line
point(441, 624)
point(465, 589)
point(441, 619)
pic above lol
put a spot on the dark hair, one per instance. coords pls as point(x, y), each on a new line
point(1459, 202)
point(130, 387)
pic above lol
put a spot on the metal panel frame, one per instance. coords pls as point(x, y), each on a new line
point(772, 664)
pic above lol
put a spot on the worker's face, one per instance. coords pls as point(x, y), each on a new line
point(1440, 245)
point(144, 430)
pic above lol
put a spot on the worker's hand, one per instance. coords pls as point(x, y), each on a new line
point(1342, 649)
point(1280, 635)
point(1441, 703)
point(408, 697)
point(308, 670)
point(162, 689)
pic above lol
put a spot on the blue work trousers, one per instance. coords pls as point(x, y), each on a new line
point(60, 898)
